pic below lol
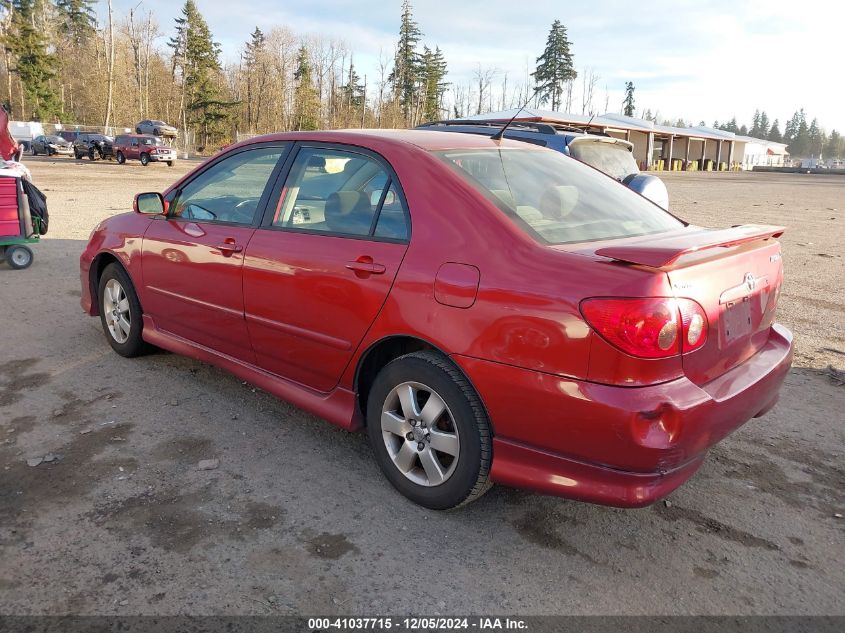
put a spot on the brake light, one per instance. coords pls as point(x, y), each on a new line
point(649, 327)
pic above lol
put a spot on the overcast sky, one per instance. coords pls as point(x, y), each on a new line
point(698, 60)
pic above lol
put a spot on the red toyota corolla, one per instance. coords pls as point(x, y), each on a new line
point(489, 311)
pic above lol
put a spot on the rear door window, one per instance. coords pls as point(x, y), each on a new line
point(341, 193)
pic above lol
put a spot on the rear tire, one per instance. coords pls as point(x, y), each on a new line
point(170, 163)
point(77, 155)
point(33, 151)
point(121, 158)
point(145, 159)
point(19, 256)
point(120, 312)
point(452, 467)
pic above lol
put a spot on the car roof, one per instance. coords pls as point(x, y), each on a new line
point(426, 140)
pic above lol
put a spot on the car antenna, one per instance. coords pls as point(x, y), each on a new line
point(498, 135)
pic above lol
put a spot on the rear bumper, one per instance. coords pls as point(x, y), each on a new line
point(621, 446)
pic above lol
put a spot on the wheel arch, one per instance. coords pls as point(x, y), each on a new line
point(98, 265)
point(387, 349)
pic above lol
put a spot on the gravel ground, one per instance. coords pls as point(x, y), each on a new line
point(297, 519)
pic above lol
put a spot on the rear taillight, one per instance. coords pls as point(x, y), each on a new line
point(694, 322)
point(651, 327)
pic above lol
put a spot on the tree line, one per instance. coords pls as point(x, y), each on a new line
point(59, 64)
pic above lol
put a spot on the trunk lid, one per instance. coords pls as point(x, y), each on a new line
point(733, 274)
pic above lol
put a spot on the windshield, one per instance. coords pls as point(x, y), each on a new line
point(55, 139)
point(152, 141)
point(556, 199)
point(614, 159)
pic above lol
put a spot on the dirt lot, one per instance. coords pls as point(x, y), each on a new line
point(298, 519)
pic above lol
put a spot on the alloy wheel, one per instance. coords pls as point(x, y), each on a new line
point(420, 434)
point(116, 311)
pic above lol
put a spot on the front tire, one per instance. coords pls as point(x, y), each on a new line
point(145, 159)
point(120, 312)
point(429, 431)
point(19, 257)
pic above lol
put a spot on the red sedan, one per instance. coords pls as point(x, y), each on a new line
point(488, 311)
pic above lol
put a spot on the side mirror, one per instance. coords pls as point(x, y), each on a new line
point(150, 203)
point(650, 187)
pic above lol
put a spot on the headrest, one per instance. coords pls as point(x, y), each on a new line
point(348, 211)
point(558, 201)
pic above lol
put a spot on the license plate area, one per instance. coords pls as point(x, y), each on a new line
point(736, 319)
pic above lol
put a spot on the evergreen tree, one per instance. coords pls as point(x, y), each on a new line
point(764, 125)
point(434, 72)
point(352, 92)
point(680, 123)
point(306, 101)
point(834, 146)
point(554, 67)
point(816, 139)
point(789, 130)
point(199, 58)
point(743, 130)
point(628, 102)
point(799, 144)
point(406, 66)
point(35, 66)
point(77, 20)
point(731, 126)
point(774, 133)
point(253, 54)
point(648, 116)
point(755, 125)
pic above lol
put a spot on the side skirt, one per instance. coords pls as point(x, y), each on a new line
point(338, 406)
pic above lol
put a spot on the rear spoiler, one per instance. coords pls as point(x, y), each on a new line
point(661, 251)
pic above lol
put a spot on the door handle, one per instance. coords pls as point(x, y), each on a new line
point(366, 265)
point(228, 247)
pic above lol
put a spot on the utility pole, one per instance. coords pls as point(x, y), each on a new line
point(111, 71)
point(364, 102)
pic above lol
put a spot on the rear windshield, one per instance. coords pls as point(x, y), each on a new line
point(614, 159)
point(556, 199)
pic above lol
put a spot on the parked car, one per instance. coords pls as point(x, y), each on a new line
point(156, 128)
point(490, 311)
point(49, 145)
point(610, 155)
point(144, 148)
point(94, 146)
